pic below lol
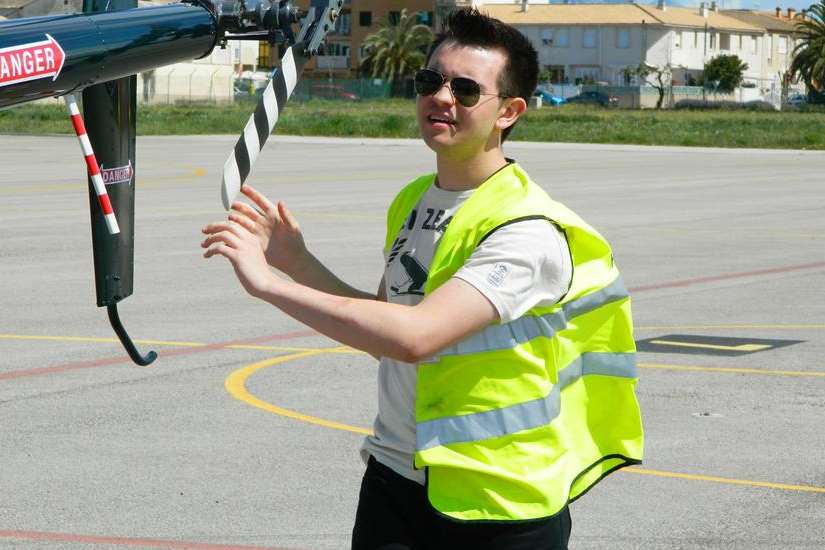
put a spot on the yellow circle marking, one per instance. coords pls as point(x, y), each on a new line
point(235, 384)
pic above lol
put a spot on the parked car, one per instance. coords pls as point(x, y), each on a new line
point(250, 83)
point(547, 97)
point(595, 98)
point(797, 99)
point(332, 91)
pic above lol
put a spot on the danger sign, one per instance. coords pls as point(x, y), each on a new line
point(31, 61)
point(121, 174)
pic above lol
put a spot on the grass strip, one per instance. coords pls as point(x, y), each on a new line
point(395, 118)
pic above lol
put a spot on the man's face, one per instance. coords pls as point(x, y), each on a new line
point(448, 127)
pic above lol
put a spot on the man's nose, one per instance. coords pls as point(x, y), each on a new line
point(444, 94)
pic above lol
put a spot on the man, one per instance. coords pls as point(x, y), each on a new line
point(507, 374)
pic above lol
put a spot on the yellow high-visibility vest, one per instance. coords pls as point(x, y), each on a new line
point(520, 418)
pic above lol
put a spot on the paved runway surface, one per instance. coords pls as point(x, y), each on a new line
point(228, 440)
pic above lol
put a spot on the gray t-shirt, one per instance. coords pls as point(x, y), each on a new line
point(518, 267)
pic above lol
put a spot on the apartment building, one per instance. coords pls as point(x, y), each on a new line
point(578, 42)
point(358, 19)
point(778, 39)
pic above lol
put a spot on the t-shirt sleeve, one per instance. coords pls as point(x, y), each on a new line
point(520, 266)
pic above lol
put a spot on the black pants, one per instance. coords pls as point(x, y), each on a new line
point(394, 514)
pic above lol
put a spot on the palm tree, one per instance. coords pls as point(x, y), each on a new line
point(395, 51)
point(809, 53)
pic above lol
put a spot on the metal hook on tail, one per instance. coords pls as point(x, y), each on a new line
point(134, 354)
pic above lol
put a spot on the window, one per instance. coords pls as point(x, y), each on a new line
point(365, 18)
point(754, 44)
point(586, 74)
point(724, 41)
point(343, 25)
point(336, 49)
point(712, 44)
point(546, 37)
point(589, 38)
point(783, 45)
point(741, 45)
point(695, 40)
point(677, 39)
point(395, 17)
point(561, 38)
point(424, 18)
point(556, 73)
point(623, 38)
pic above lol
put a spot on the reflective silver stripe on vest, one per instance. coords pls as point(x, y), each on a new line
point(524, 416)
point(528, 327)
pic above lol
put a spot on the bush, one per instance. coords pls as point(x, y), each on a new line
point(759, 105)
point(695, 104)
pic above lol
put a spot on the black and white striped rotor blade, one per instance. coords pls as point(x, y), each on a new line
point(260, 125)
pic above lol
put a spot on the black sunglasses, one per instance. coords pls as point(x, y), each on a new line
point(465, 90)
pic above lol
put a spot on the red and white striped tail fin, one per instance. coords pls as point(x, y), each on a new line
point(91, 164)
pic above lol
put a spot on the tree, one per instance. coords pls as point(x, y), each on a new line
point(662, 78)
point(396, 49)
point(809, 54)
point(725, 72)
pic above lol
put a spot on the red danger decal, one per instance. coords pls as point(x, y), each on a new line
point(31, 61)
point(121, 174)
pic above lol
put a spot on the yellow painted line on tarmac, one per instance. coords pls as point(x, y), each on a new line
point(740, 347)
point(348, 350)
point(727, 480)
point(733, 326)
point(235, 384)
point(733, 370)
point(172, 343)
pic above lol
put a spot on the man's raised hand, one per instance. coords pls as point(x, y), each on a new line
point(275, 228)
point(242, 249)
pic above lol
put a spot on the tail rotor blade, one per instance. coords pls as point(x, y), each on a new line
point(260, 125)
point(273, 100)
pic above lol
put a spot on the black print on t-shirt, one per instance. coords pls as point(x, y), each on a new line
point(396, 248)
point(431, 223)
point(416, 277)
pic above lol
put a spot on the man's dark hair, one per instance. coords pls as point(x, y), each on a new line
point(469, 27)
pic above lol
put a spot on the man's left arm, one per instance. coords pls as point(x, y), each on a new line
point(406, 333)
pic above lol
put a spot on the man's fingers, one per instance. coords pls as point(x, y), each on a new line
point(244, 222)
point(252, 213)
point(218, 248)
point(228, 226)
point(261, 201)
point(287, 216)
point(225, 237)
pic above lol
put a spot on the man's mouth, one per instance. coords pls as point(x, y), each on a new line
point(436, 119)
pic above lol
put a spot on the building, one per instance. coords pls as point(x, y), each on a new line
point(599, 42)
point(778, 39)
point(359, 18)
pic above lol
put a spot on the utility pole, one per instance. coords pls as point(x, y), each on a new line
point(705, 64)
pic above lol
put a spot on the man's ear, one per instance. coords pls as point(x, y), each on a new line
point(513, 108)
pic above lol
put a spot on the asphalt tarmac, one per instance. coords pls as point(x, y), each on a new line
point(245, 432)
